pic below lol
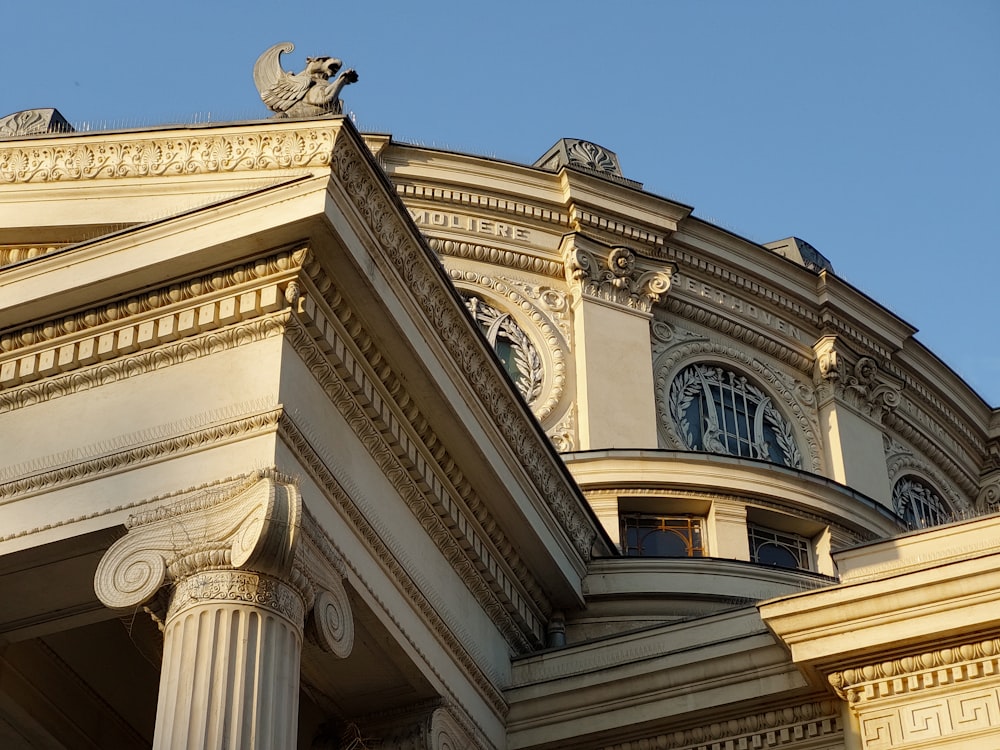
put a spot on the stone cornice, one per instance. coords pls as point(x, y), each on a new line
point(178, 152)
point(768, 344)
point(340, 496)
point(688, 260)
point(171, 313)
point(787, 727)
point(466, 201)
point(399, 439)
point(10, 255)
point(497, 256)
point(955, 666)
point(432, 293)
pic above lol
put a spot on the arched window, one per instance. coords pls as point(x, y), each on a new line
point(720, 411)
point(514, 349)
point(919, 504)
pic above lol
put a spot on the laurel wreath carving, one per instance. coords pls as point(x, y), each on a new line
point(691, 383)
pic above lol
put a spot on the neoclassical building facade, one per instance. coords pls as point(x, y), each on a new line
point(317, 439)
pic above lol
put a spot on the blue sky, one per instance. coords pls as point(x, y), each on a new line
point(869, 129)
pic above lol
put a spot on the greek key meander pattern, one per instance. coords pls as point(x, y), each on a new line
point(975, 713)
point(446, 317)
point(781, 728)
point(80, 158)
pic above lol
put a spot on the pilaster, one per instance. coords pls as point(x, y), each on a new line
point(245, 577)
point(612, 300)
point(854, 394)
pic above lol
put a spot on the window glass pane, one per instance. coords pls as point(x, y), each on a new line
point(661, 536)
point(719, 411)
point(919, 504)
point(513, 348)
point(779, 548)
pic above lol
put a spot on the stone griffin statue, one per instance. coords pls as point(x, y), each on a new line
point(306, 94)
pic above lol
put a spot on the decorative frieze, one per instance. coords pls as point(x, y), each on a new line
point(939, 695)
point(214, 151)
point(808, 725)
point(487, 254)
point(614, 278)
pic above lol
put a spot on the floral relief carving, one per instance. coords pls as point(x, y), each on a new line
point(668, 365)
point(212, 152)
point(858, 381)
point(547, 310)
point(615, 278)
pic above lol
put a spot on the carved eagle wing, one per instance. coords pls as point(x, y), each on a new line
point(286, 91)
point(279, 90)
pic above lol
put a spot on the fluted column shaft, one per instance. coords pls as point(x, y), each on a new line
point(230, 674)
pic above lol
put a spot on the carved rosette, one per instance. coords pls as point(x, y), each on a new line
point(855, 380)
point(242, 543)
point(615, 278)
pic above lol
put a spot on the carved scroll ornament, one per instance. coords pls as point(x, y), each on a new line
point(246, 541)
point(857, 380)
point(615, 278)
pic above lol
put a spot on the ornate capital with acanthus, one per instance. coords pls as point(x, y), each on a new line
point(249, 541)
point(613, 276)
point(855, 380)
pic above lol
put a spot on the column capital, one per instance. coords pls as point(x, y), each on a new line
point(854, 379)
point(612, 275)
point(247, 539)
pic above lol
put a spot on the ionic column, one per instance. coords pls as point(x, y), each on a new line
point(245, 570)
point(230, 676)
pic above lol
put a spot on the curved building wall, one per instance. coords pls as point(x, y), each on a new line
point(642, 329)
